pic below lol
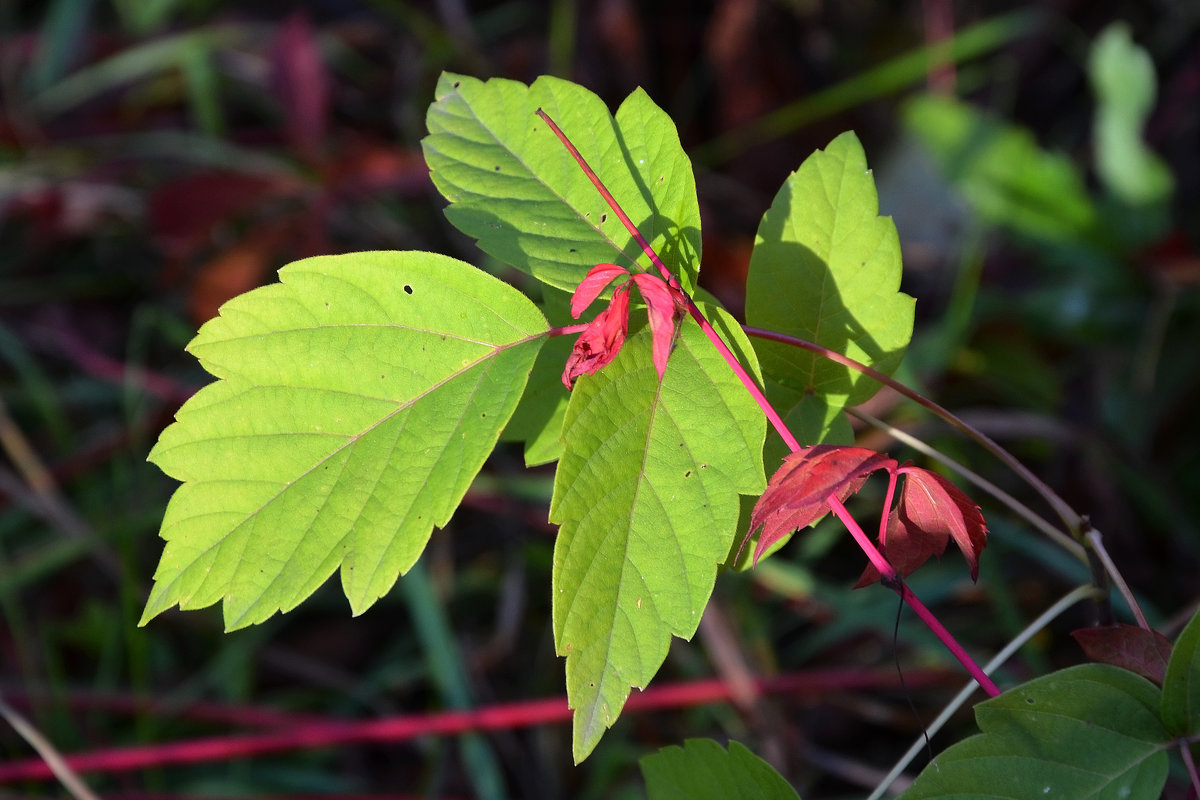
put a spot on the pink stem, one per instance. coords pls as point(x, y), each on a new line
point(777, 422)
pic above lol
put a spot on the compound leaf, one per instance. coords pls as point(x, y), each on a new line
point(513, 186)
point(1091, 731)
point(826, 268)
point(356, 401)
point(646, 494)
point(703, 770)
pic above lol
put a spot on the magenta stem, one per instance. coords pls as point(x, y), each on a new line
point(835, 504)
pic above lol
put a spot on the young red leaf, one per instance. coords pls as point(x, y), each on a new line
point(663, 305)
point(600, 341)
point(597, 278)
point(797, 494)
point(931, 511)
point(1129, 647)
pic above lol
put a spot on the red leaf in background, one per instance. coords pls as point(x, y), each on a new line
point(1128, 647)
point(931, 511)
point(798, 492)
point(600, 341)
point(302, 85)
point(184, 212)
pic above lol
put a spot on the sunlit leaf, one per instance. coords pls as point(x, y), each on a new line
point(826, 268)
point(355, 402)
point(514, 187)
point(646, 494)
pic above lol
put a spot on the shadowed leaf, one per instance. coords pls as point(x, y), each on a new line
point(1129, 647)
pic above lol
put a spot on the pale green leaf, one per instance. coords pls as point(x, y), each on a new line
point(826, 268)
point(539, 416)
point(647, 498)
point(1091, 731)
point(703, 770)
point(1181, 687)
point(1122, 77)
point(514, 187)
point(356, 401)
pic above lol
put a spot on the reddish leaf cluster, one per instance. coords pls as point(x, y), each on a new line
point(602, 339)
point(931, 510)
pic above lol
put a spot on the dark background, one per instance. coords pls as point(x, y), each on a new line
point(157, 158)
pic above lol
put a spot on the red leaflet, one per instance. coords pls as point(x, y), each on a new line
point(600, 342)
point(797, 493)
point(931, 511)
point(1129, 647)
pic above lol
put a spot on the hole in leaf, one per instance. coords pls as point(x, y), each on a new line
point(1030, 700)
point(603, 218)
point(457, 84)
point(572, 250)
point(407, 289)
point(496, 168)
point(687, 474)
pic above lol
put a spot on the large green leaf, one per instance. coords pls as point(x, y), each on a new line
point(1091, 731)
point(356, 401)
point(647, 498)
point(826, 268)
point(703, 770)
point(1181, 687)
point(514, 187)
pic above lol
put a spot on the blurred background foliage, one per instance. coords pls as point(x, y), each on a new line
point(157, 157)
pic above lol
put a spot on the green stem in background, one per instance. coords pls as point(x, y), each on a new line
point(890, 576)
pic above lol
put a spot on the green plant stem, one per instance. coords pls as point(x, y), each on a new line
point(885, 569)
point(1076, 595)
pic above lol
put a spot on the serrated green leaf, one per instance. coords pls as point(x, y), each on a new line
point(513, 186)
point(356, 401)
point(1122, 77)
point(826, 268)
point(703, 770)
point(1181, 687)
point(1091, 731)
point(1003, 173)
point(646, 495)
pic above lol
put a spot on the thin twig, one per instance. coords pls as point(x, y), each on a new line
point(1014, 505)
point(49, 755)
point(1096, 544)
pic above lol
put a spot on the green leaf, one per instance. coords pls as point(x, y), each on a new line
point(1122, 77)
point(826, 268)
point(356, 401)
point(1181, 688)
point(646, 494)
point(1003, 174)
point(703, 770)
point(1091, 731)
point(513, 186)
point(539, 416)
